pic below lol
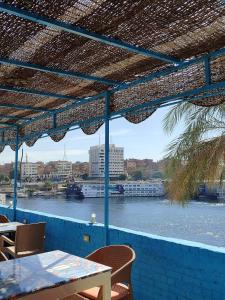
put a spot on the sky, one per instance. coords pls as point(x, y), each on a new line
point(144, 140)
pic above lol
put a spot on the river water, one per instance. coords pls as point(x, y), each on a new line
point(197, 221)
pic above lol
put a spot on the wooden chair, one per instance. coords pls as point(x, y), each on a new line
point(29, 240)
point(120, 258)
point(4, 219)
point(3, 256)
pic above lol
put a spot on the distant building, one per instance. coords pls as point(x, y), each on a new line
point(80, 168)
point(130, 165)
point(146, 166)
point(29, 170)
point(133, 163)
point(97, 159)
point(6, 169)
point(62, 170)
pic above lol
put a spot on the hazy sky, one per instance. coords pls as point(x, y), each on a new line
point(145, 140)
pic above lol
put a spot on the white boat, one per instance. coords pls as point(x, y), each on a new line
point(22, 194)
point(43, 193)
point(96, 190)
point(2, 198)
point(153, 188)
point(127, 188)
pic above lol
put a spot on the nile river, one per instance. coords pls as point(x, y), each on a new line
point(197, 221)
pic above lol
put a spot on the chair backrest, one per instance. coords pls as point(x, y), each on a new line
point(114, 256)
point(2, 256)
point(4, 219)
point(30, 237)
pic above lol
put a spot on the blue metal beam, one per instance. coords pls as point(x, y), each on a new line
point(25, 107)
point(120, 113)
point(84, 123)
point(208, 95)
point(147, 78)
point(21, 90)
point(14, 117)
point(163, 100)
point(174, 102)
point(152, 102)
point(106, 168)
point(169, 70)
point(8, 124)
point(70, 106)
point(80, 101)
point(59, 25)
point(55, 71)
point(15, 175)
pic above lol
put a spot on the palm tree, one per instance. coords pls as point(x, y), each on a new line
point(198, 153)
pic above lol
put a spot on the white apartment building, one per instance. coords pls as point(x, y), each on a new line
point(29, 170)
point(97, 160)
point(63, 170)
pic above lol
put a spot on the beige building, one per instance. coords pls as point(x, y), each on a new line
point(97, 160)
point(62, 170)
point(80, 168)
point(29, 170)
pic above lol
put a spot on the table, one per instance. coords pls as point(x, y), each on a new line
point(9, 227)
point(51, 275)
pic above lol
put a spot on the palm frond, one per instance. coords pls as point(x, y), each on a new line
point(202, 162)
point(198, 153)
point(175, 115)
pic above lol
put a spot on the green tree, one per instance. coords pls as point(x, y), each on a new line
point(84, 176)
point(157, 174)
point(122, 177)
point(47, 186)
point(3, 177)
point(137, 175)
point(198, 153)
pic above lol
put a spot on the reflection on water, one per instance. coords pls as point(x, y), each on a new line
point(197, 221)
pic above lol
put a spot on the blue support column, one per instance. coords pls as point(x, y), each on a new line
point(207, 71)
point(15, 175)
point(106, 168)
point(54, 120)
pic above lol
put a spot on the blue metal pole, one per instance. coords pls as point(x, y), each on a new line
point(14, 117)
point(106, 196)
point(35, 92)
point(56, 71)
point(8, 124)
point(15, 175)
point(54, 121)
point(207, 71)
point(25, 107)
point(67, 107)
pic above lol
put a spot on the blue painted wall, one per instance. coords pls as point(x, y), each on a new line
point(164, 269)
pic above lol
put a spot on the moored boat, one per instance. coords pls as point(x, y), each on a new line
point(74, 191)
point(127, 188)
point(96, 190)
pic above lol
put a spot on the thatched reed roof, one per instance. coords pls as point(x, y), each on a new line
point(165, 36)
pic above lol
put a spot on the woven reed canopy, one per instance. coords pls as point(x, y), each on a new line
point(58, 59)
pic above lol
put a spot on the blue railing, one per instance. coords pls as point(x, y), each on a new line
point(164, 268)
